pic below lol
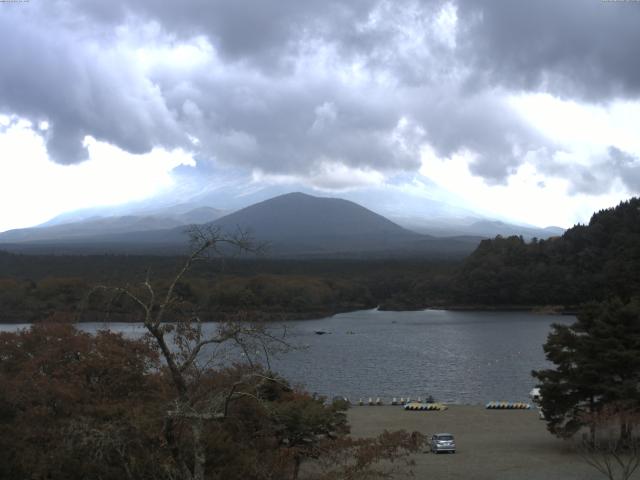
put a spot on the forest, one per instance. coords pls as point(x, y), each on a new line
point(590, 262)
point(37, 288)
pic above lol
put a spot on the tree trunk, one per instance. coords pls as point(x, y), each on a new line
point(625, 433)
point(296, 467)
point(174, 448)
point(176, 375)
point(592, 423)
point(199, 453)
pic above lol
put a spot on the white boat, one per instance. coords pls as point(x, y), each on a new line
point(535, 396)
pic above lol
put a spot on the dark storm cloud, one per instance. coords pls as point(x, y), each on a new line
point(576, 48)
point(263, 32)
point(572, 47)
point(288, 128)
point(250, 107)
point(80, 89)
point(273, 123)
point(294, 85)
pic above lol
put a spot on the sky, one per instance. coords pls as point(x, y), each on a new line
point(526, 111)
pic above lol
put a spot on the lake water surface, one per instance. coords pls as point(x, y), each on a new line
point(458, 357)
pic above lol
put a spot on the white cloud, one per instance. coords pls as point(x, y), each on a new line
point(446, 24)
point(328, 175)
point(590, 126)
point(325, 115)
point(528, 196)
point(33, 189)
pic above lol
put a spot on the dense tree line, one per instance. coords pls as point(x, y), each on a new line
point(589, 262)
point(57, 287)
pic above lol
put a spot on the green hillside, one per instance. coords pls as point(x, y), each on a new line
point(588, 262)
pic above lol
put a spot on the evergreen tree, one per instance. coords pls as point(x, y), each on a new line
point(589, 262)
point(597, 363)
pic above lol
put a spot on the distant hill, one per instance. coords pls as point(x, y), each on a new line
point(588, 262)
point(293, 224)
point(199, 215)
point(91, 228)
point(492, 228)
point(448, 227)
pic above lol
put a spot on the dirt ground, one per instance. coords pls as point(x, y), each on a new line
point(491, 444)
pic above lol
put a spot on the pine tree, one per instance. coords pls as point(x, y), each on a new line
point(597, 363)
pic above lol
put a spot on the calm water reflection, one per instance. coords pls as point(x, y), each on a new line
point(458, 357)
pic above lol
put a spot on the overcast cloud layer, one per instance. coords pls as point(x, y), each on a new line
point(334, 94)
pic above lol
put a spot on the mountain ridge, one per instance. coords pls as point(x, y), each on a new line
point(293, 224)
point(98, 225)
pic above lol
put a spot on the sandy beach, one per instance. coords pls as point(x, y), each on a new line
point(492, 444)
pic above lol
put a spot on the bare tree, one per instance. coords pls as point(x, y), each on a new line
point(188, 351)
point(614, 448)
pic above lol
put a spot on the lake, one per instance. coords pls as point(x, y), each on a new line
point(457, 357)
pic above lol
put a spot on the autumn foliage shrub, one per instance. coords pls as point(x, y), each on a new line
point(80, 406)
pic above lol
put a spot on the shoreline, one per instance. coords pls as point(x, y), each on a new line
point(271, 317)
point(541, 309)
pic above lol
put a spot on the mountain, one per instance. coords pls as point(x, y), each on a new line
point(294, 224)
point(492, 228)
point(473, 226)
point(92, 227)
point(301, 224)
point(87, 228)
point(199, 215)
point(301, 221)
